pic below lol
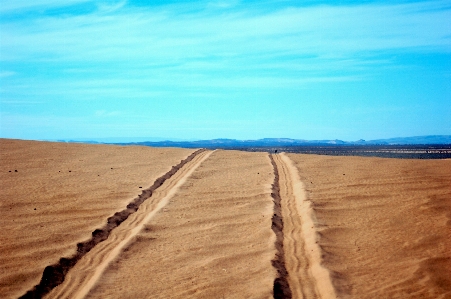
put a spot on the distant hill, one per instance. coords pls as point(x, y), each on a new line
point(123, 140)
point(284, 142)
point(430, 139)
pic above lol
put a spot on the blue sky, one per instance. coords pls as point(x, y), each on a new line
point(225, 69)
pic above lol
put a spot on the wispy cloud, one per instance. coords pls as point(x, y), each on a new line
point(100, 52)
point(228, 40)
point(4, 74)
point(104, 113)
point(121, 33)
point(19, 103)
point(21, 5)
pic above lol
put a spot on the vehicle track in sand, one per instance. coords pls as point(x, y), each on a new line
point(281, 288)
point(302, 255)
point(90, 268)
point(74, 277)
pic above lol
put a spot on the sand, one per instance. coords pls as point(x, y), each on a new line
point(212, 240)
point(59, 195)
point(224, 224)
point(307, 278)
point(384, 224)
point(91, 267)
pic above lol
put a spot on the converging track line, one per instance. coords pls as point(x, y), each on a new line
point(302, 255)
point(73, 277)
point(281, 288)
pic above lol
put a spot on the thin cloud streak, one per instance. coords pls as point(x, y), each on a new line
point(20, 5)
point(157, 34)
point(153, 59)
point(4, 74)
point(210, 45)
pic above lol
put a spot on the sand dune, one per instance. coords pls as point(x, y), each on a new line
point(223, 224)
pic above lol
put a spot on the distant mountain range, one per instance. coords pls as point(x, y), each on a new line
point(284, 142)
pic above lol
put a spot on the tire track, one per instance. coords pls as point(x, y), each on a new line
point(281, 288)
point(306, 277)
point(55, 275)
point(88, 271)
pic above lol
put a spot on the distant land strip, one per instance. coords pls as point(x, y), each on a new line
point(270, 142)
point(387, 151)
point(431, 151)
point(419, 147)
point(54, 275)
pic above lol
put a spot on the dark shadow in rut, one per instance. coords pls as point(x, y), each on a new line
point(281, 287)
point(55, 274)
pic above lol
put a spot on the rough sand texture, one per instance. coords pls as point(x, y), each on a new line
point(90, 268)
point(212, 240)
point(59, 195)
point(369, 227)
point(306, 277)
point(385, 228)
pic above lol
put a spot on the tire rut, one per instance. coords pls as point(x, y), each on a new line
point(85, 275)
point(54, 275)
point(302, 255)
point(281, 289)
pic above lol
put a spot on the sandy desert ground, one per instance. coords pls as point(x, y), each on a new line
point(104, 221)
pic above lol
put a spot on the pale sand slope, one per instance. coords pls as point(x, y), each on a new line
point(45, 210)
point(212, 240)
point(384, 224)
